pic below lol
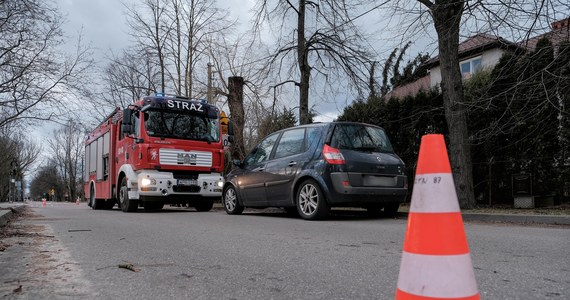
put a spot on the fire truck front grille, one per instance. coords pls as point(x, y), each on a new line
point(185, 158)
point(186, 188)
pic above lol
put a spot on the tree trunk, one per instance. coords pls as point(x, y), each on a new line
point(304, 68)
point(447, 18)
point(235, 102)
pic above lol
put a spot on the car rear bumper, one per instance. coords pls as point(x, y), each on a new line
point(384, 190)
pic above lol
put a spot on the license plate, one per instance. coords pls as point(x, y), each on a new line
point(187, 182)
point(370, 180)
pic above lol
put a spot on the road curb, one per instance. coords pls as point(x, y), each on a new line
point(7, 212)
point(518, 219)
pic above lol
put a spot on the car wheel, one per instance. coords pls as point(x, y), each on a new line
point(231, 203)
point(311, 203)
point(390, 209)
point(127, 205)
point(204, 205)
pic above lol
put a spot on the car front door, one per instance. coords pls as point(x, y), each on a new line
point(251, 181)
point(287, 162)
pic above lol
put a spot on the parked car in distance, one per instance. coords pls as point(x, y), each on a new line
point(310, 168)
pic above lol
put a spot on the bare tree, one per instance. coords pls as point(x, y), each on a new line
point(35, 75)
point(19, 155)
point(67, 150)
point(151, 29)
point(324, 41)
point(129, 75)
point(452, 19)
point(175, 34)
point(46, 178)
point(195, 23)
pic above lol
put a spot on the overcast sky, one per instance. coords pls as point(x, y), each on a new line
point(103, 22)
point(103, 25)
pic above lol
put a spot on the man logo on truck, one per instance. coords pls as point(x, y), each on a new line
point(187, 159)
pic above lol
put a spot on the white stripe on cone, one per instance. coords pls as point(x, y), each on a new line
point(437, 276)
point(434, 193)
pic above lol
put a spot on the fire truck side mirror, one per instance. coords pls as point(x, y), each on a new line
point(230, 131)
point(230, 128)
point(126, 124)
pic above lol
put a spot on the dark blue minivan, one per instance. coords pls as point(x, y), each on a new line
point(310, 168)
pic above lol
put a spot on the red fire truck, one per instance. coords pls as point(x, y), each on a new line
point(160, 150)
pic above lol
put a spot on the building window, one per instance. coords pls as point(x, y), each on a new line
point(469, 67)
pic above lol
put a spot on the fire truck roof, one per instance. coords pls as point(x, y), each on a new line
point(177, 103)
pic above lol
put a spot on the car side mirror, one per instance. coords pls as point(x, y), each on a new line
point(237, 163)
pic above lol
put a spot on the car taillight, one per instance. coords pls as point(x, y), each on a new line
point(332, 155)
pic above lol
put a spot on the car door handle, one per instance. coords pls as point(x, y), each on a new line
point(260, 169)
point(292, 164)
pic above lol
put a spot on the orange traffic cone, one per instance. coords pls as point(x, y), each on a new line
point(436, 263)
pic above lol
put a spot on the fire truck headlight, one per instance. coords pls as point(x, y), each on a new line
point(148, 181)
point(220, 183)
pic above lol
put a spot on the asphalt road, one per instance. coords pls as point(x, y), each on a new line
point(75, 252)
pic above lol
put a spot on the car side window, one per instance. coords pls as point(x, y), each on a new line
point(313, 136)
point(262, 151)
point(291, 143)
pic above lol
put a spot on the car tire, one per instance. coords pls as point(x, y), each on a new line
point(311, 203)
point(391, 209)
point(127, 205)
point(230, 201)
point(204, 205)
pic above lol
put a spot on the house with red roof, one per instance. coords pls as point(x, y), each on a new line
point(480, 52)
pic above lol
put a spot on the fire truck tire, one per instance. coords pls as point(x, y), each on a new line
point(97, 204)
point(204, 205)
point(127, 205)
point(93, 202)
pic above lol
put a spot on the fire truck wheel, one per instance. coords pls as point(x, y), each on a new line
point(97, 204)
point(93, 202)
point(126, 204)
point(204, 205)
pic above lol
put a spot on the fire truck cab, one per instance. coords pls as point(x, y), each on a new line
point(159, 150)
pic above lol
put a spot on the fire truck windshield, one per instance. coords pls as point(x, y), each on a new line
point(179, 125)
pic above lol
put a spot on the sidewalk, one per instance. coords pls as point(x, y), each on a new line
point(7, 208)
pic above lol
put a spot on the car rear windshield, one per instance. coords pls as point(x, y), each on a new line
point(360, 137)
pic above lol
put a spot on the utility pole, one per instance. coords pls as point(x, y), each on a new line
point(209, 92)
